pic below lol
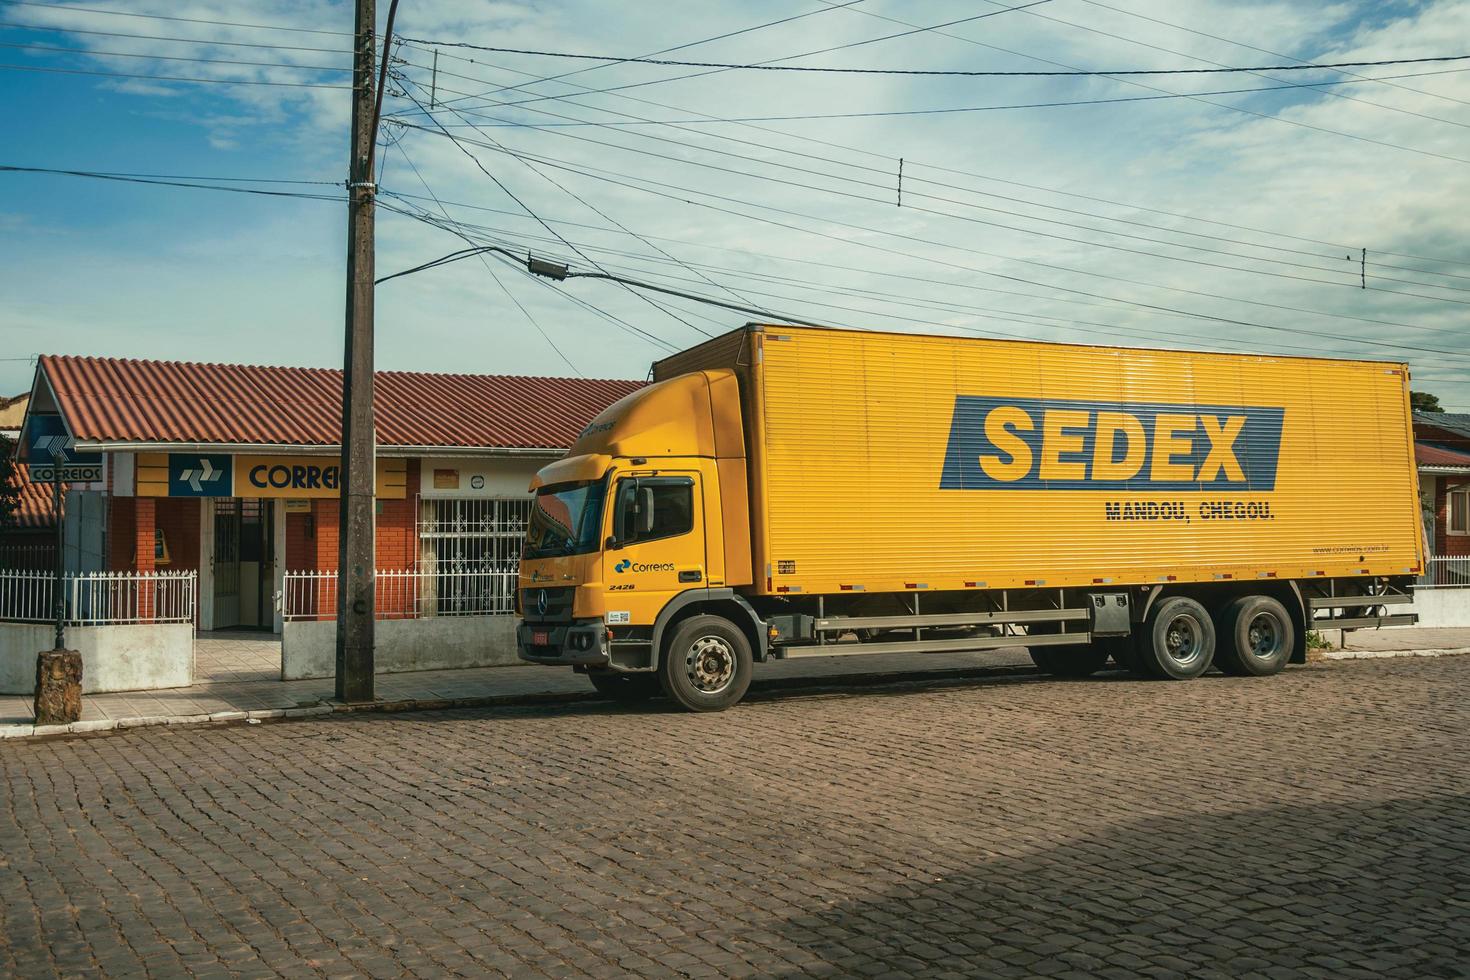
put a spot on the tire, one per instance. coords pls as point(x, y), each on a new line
point(625, 688)
point(1178, 641)
point(706, 665)
point(1069, 661)
point(1256, 637)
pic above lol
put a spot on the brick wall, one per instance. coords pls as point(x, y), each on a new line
point(1444, 542)
point(120, 513)
point(179, 520)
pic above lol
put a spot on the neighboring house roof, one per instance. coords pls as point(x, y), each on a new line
point(34, 510)
point(111, 400)
point(1458, 426)
point(12, 410)
point(1441, 459)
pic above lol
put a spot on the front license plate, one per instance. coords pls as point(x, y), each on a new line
point(540, 638)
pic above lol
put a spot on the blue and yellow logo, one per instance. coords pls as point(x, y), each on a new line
point(1052, 444)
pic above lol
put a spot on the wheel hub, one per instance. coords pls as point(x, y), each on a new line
point(1182, 639)
point(710, 664)
point(1263, 635)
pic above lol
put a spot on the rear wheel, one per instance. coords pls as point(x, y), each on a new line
point(1081, 661)
point(627, 688)
point(1256, 637)
point(707, 664)
point(1178, 642)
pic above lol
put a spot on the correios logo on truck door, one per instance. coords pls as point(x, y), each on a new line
point(1055, 444)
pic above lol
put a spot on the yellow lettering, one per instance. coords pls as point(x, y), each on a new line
point(1168, 444)
point(1222, 448)
point(1104, 466)
point(1056, 439)
point(999, 426)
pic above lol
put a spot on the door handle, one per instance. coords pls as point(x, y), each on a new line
point(694, 575)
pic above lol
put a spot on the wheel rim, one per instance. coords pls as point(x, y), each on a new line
point(1263, 636)
point(1184, 639)
point(710, 664)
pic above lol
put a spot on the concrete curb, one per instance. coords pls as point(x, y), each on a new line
point(758, 690)
point(1386, 654)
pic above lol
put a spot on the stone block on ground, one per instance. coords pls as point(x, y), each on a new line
point(58, 687)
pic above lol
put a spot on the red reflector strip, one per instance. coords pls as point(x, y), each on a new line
point(969, 585)
point(845, 588)
point(1097, 581)
point(1171, 578)
point(783, 588)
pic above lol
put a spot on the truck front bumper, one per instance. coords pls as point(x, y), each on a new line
point(576, 644)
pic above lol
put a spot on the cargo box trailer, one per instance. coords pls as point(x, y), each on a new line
point(785, 491)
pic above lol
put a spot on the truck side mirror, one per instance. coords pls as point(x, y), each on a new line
point(645, 510)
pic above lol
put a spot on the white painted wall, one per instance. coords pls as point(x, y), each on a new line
point(133, 657)
point(1442, 607)
point(309, 649)
point(480, 477)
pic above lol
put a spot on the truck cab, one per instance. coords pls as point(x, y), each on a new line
point(644, 524)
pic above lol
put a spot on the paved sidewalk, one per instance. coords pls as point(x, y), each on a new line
point(235, 696)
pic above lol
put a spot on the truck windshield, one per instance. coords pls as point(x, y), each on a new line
point(566, 519)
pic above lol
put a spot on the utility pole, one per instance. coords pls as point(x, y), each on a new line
point(356, 559)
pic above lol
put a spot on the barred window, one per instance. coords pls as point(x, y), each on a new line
point(475, 547)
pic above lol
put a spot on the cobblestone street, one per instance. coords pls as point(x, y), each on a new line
point(1316, 822)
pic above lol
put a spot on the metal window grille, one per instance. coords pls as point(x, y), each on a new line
point(474, 545)
point(99, 598)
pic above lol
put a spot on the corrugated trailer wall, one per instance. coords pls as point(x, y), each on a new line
point(892, 462)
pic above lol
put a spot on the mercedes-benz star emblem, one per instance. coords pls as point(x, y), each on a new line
point(541, 603)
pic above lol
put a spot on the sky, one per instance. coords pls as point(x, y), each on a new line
point(1225, 221)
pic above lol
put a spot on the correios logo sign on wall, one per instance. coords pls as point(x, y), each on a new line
point(52, 454)
point(200, 475)
point(291, 477)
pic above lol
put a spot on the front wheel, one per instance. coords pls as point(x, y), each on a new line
point(706, 665)
point(624, 688)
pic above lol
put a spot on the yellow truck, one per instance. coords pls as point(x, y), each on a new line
point(784, 491)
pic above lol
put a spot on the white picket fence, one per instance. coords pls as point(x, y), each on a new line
point(407, 593)
point(1446, 572)
point(99, 598)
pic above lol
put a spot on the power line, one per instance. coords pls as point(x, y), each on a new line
point(590, 172)
point(1298, 65)
point(168, 78)
point(1252, 47)
point(964, 73)
point(164, 57)
point(678, 47)
point(902, 299)
point(552, 127)
point(765, 145)
point(186, 20)
point(194, 182)
point(596, 210)
point(810, 54)
point(940, 169)
point(509, 193)
point(1154, 88)
point(173, 40)
point(503, 288)
point(952, 110)
point(1031, 231)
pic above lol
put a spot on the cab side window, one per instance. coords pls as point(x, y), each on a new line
point(652, 508)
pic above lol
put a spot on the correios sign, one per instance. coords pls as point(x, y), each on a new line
point(52, 454)
point(223, 475)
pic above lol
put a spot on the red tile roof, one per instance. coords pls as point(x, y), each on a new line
point(1426, 454)
point(35, 504)
point(116, 400)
